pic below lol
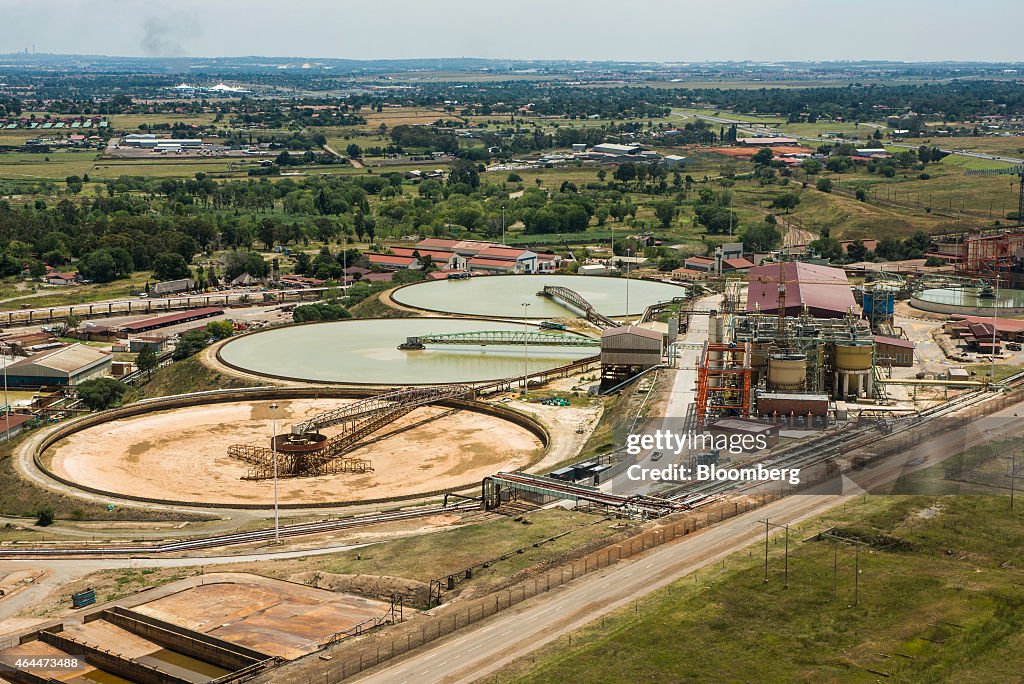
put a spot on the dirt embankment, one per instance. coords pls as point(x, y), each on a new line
point(413, 592)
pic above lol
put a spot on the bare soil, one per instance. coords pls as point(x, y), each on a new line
point(182, 454)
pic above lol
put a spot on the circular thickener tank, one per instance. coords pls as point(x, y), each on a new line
point(850, 357)
point(969, 301)
point(787, 371)
point(504, 296)
point(365, 352)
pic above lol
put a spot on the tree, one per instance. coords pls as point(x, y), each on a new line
point(320, 311)
point(354, 151)
point(828, 248)
point(69, 323)
point(74, 184)
point(170, 266)
point(824, 184)
point(189, 343)
point(44, 517)
point(665, 211)
point(105, 265)
point(237, 263)
point(761, 238)
point(101, 393)
point(146, 360)
point(857, 251)
point(220, 330)
point(788, 201)
point(464, 171)
point(763, 156)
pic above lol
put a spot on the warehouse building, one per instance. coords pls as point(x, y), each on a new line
point(63, 367)
point(173, 286)
point(627, 351)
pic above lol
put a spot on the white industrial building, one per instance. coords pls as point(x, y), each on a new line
point(64, 367)
point(150, 141)
point(616, 148)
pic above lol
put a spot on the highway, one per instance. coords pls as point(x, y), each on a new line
point(476, 652)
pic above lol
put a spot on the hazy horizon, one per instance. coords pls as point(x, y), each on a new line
point(602, 30)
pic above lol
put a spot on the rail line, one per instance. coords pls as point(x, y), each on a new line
point(830, 445)
point(143, 550)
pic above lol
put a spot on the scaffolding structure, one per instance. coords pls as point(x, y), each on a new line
point(995, 255)
point(814, 338)
point(724, 381)
point(304, 452)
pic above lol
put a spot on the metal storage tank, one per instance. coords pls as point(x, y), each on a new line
point(854, 357)
point(880, 301)
point(787, 371)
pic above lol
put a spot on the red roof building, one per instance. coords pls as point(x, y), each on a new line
point(823, 290)
point(393, 262)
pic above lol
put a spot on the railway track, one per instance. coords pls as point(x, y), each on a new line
point(829, 446)
point(302, 529)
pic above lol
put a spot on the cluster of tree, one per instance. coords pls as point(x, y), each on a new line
point(712, 210)
point(762, 237)
point(193, 341)
point(320, 311)
point(101, 393)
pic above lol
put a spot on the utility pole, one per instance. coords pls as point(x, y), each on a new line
point(785, 526)
point(835, 565)
point(1013, 477)
point(995, 327)
point(273, 447)
point(629, 253)
point(526, 348)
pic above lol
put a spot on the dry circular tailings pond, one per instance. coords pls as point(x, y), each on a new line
point(181, 454)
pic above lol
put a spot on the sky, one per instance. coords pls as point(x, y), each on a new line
point(622, 30)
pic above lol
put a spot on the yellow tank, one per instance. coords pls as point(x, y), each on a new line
point(851, 357)
point(787, 372)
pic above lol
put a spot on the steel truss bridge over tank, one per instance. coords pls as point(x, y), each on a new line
point(306, 452)
point(575, 300)
point(501, 337)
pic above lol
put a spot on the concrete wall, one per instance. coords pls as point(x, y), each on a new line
point(263, 394)
point(183, 640)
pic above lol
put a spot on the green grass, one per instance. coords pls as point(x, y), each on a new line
point(182, 377)
point(1003, 370)
point(973, 162)
point(33, 166)
point(54, 296)
point(935, 563)
point(429, 556)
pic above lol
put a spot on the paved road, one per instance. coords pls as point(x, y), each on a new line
point(471, 655)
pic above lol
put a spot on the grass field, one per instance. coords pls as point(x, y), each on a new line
point(61, 164)
point(1009, 146)
point(940, 600)
point(46, 295)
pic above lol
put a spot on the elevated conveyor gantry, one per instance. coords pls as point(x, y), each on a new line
point(306, 452)
point(500, 337)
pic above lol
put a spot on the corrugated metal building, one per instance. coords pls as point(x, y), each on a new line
point(630, 345)
point(628, 350)
point(63, 367)
point(824, 290)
